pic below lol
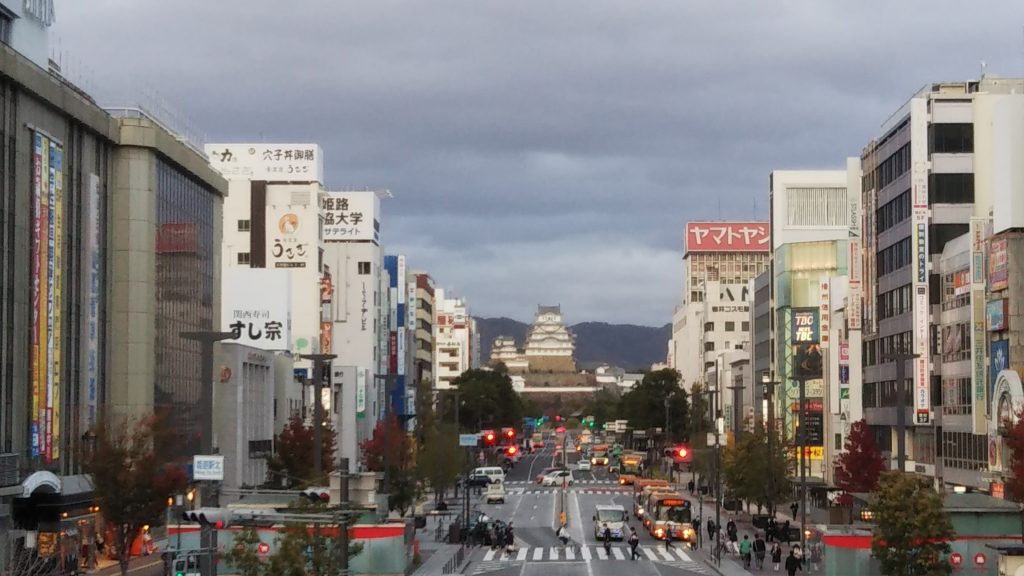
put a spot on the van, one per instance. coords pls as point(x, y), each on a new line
point(495, 493)
point(493, 473)
point(614, 517)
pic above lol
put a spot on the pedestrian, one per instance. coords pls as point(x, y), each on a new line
point(785, 532)
point(711, 529)
point(669, 529)
point(745, 548)
point(733, 534)
point(634, 543)
point(690, 485)
point(492, 537)
point(606, 536)
point(770, 530)
point(696, 526)
point(799, 553)
point(510, 538)
point(792, 564)
point(563, 535)
point(776, 556)
point(815, 552)
point(759, 550)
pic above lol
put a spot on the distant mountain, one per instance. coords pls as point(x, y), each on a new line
point(625, 345)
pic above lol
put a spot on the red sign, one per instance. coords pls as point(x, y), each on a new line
point(727, 237)
point(956, 559)
point(172, 238)
point(979, 559)
point(263, 548)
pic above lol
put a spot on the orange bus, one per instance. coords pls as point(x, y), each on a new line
point(670, 507)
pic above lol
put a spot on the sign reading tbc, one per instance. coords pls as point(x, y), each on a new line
point(806, 346)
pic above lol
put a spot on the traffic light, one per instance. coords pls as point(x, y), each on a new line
point(215, 517)
point(558, 418)
point(489, 438)
point(681, 453)
point(591, 424)
point(511, 450)
point(510, 434)
point(540, 421)
point(317, 495)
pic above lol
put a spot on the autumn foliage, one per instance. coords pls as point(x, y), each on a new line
point(291, 466)
point(860, 464)
point(1014, 440)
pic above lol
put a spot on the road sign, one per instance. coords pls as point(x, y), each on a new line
point(467, 440)
point(207, 467)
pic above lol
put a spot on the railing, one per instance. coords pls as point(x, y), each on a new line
point(10, 474)
point(455, 562)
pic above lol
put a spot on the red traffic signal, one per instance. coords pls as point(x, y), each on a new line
point(511, 450)
point(682, 452)
point(317, 495)
point(510, 433)
point(489, 438)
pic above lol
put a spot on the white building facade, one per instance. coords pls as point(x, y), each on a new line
point(452, 339)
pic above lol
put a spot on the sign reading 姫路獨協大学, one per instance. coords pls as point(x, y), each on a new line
point(207, 467)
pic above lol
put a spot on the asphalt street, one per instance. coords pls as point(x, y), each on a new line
point(533, 511)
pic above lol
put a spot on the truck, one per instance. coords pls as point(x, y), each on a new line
point(536, 442)
point(631, 462)
point(599, 455)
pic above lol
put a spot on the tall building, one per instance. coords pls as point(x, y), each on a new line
point(731, 254)
point(549, 345)
point(421, 320)
point(930, 177)
point(452, 339)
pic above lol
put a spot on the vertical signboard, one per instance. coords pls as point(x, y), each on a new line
point(824, 312)
point(855, 265)
point(47, 286)
point(360, 393)
point(806, 344)
point(998, 270)
point(91, 298)
point(919, 232)
point(979, 335)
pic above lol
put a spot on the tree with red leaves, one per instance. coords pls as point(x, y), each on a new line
point(292, 464)
point(860, 464)
point(390, 450)
point(1013, 438)
point(131, 483)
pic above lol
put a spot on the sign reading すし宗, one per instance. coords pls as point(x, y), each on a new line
point(349, 216)
point(257, 307)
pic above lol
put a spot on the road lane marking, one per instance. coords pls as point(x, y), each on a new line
point(666, 555)
point(585, 551)
point(617, 552)
point(538, 553)
point(521, 555)
point(570, 554)
point(554, 553)
point(601, 554)
point(650, 554)
point(489, 556)
point(683, 555)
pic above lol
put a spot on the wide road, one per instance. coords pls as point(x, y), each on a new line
point(533, 511)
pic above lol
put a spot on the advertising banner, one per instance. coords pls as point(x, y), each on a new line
point(207, 467)
point(291, 236)
point(998, 266)
point(807, 363)
point(728, 237)
point(999, 361)
point(37, 360)
point(824, 306)
point(360, 393)
point(57, 334)
point(268, 162)
point(91, 263)
point(350, 216)
point(996, 312)
point(257, 307)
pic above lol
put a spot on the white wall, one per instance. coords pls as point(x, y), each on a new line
point(998, 147)
point(785, 233)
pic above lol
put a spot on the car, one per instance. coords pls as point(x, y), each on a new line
point(557, 478)
point(583, 465)
point(545, 472)
point(495, 493)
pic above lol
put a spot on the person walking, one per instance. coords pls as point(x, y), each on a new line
point(669, 530)
point(711, 531)
point(690, 485)
point(770, 530)
point(634, 543)
point(733, 533)
point(776, 556)
point(785, 532)
point(799, 553)
point(745, 549)
point(606, 536)
point(696, 527)
point(792, 564)
point(563, 535)
point(759, 550)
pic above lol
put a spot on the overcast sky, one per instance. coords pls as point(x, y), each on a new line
point(542, 152)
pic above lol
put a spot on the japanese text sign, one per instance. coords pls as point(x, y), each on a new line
point(268, 162)
point(727, 237)
point(349, 216)
point(256, 307)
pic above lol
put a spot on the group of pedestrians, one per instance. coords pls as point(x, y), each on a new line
point(502, 538)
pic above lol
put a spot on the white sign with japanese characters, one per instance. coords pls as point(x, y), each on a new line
point(291, 236)
point(269, 162)
point(256, 307)
point(349, 216)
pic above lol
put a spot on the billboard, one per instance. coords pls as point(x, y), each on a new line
point(999, 360)
point(291, 236)
point(919, 232)
point(998, 268)
point(996, 313)
point(728, 237)
point(350, 216)
point(269, 162)
point(805, 338)
point(90, 331)
point(257, 307)
point(47, 293)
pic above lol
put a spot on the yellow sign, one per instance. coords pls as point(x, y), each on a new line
point(810, 452)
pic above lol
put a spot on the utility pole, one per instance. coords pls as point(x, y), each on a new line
point(318, 408)
point(769, 391)
point(343, 525)
point(206, 339)
point(718, 467)
point(802, 433)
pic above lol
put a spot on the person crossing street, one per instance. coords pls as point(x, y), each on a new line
point(634, 543)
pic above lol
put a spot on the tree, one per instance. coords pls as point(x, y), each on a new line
point(303, 549)
point(912, 531)
point(644, 405)
point(487, 399)
point(1013, 437)
point(861, 463)
point(131, 483)
point(390, 450)
point(291, 466)
point(441, 461)
point(244, 556)
point(748, 466)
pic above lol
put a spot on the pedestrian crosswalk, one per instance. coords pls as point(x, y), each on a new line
point(494, 559)
point(588, 482)
point(549, 490)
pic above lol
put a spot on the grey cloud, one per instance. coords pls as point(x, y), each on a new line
point(551, 131)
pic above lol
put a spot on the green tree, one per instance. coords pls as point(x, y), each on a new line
point(487, 400)
point(390, 450)
point(604, 406)
point(644, 405)
point(441, 461)
point(754, 474)
point(912, 531)
point(304, 549)
point(292, 464)
point(131, 483)
point(244, 556)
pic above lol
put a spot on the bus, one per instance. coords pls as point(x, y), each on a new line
point(640, 495)
point(670, 507)
point(631, 462)
point(599, 455)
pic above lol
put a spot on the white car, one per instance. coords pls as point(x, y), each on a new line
point(583, 465)
point(557, 478)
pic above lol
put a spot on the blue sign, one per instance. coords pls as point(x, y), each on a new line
point(467, 440)
point(844, 374)
point(300, 373)
point(996, 312)
point(999, 360)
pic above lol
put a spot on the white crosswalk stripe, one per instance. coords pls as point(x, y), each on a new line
point(538, 553)
point(521, 555)
point(602, 554)
point(570, 553)
point(650, 554)
point(496, 559)
point(585, 552)
point(617, 552)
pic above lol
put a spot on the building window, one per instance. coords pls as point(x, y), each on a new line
point(6, 23)
point(709, 326)
point(364, 268)
point(745, 327)
point(950, 188)
point(243, 258)
point(709, 346)
point(244, 225)
point(730, 326)
point(950, 138)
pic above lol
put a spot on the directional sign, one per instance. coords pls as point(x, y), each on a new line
point(207, 467)
point(467, 440)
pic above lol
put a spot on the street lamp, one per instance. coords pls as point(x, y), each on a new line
point(768, 391)
point(318, 408)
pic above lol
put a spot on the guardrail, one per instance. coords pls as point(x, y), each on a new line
point(455, 562)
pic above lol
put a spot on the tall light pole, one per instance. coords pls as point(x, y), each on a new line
point(319, 360)
point(206, 339)
point(768, 391)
